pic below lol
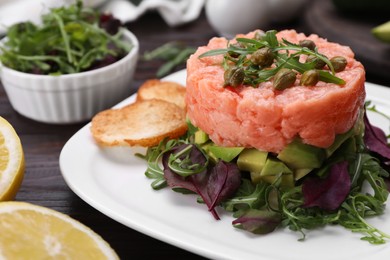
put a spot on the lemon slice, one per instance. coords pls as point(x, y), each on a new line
point(11, 161)
point(29, 231)
point(382, 32)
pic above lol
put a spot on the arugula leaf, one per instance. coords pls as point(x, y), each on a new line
point(153, 157)
point(248, 196)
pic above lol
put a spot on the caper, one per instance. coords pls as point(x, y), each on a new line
point(339, 63)
point(233, 53)
point(234, 76)
point(284, 78)
point(310, 78)
point(319, 64)
point(263, 57)
point(308, 44)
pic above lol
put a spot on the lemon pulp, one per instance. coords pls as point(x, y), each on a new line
point(12, 163)
point(29, 231)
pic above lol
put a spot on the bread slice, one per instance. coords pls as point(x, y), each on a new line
point(143, 123)
point(164, 90)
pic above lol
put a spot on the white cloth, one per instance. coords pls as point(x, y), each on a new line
point(174, 12)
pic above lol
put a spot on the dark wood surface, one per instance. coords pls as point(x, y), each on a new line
point(354, 30)
point(43, 183)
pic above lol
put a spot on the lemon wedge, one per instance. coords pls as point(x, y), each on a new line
point(382, 32)
point(29, 231)
point(11, 161)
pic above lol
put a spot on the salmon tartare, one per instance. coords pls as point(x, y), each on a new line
point(266, 118)
point(278, 134)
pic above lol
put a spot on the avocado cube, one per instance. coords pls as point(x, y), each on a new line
point(226, 154)
point(251, 160)
point(300, 173)
point(287, 180)
point(338, 141)
point(271, 169)
point(200, 137)
point(206, 148)
point(274, 167)
point(255, 177)
point(346, 148)
point(298, 155)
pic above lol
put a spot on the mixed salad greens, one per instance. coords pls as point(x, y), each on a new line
point(70, 39)
point(351, 184)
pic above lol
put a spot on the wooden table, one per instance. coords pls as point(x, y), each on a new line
point(43, 183)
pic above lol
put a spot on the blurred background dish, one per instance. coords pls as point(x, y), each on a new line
point(230, 17)
point(71, 98)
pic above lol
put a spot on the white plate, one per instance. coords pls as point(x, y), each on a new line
point(113, 181)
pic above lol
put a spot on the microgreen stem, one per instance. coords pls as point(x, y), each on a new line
point(184, 166)
point(379, 236)
point(64, 37)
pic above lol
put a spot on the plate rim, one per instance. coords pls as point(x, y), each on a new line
point(201, 247)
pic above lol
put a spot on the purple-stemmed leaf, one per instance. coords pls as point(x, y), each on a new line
point(175, 180)
point(109, 23)
point(375, 140)
point(258, 221)
point(328, 193)
point(224, 180)
point(213, 185)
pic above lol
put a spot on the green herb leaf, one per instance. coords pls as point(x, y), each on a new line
point(287, 55)
point(248, 196)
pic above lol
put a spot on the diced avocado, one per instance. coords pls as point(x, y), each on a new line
point(274, 167)
point(256, 177)
point(298, 155)
point(287, 180)
point(300, 173)
point(338, 141)
point(206, 148)
point(225, 153)
point(347, 148)
point(271, 169)
point(200, 137)
point(251, 160)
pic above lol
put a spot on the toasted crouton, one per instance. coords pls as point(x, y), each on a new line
point(164, 90)
point(143, 123)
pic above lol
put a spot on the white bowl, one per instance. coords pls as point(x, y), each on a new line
point(71, 98)
point(231, 17)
